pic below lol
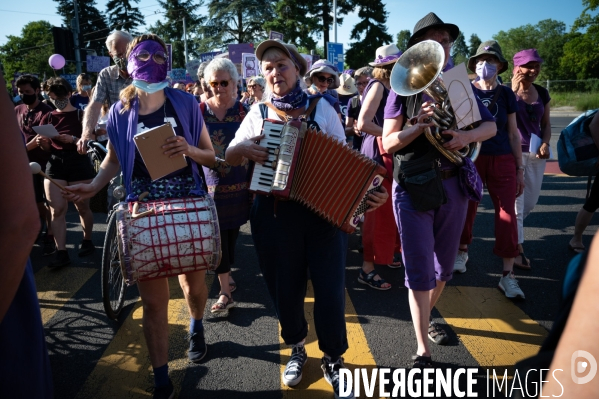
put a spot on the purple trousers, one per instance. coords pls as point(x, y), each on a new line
point(430, 239)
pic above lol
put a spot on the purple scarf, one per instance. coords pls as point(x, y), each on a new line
point(294, 100)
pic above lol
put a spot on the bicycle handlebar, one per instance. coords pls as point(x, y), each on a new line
point(91, 144)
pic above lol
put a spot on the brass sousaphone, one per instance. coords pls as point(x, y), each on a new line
point(417, 70)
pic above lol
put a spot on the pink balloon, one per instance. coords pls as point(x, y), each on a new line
point(56, 61)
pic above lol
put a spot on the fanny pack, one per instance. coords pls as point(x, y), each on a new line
point(422, 179)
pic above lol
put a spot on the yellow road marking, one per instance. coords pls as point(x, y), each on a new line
point(496, 332)
point(313, 385)
point(125, 371)
point(56, 287)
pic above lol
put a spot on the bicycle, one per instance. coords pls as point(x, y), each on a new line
point(113, 284)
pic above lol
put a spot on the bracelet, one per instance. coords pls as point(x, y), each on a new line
point(520, 168)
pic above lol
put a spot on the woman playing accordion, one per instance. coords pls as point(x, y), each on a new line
point(290, 239)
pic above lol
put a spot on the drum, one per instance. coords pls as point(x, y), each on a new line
point(167, 238)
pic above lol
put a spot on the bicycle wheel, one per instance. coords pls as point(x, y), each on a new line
point(113, 284)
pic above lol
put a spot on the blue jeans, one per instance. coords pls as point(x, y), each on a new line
point(290, 244)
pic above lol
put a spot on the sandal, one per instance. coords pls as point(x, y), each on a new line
point(368, 279)
point(525, 265)
point(422, 362)
point(220, 306)
point(232, 286)
point(576, 249)
point(396, 264)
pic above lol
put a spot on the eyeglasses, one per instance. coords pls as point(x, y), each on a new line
point(223, 83)
point(531, 114)
point(361, 84)
point(159, 57)
point(322, 79)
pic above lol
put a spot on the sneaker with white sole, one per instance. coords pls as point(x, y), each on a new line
point(293, 372)
point(460, 262)
point(331, 375)
point(509, 285)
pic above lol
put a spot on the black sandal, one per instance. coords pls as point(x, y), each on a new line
point(368, 279)
point(422, 362)
point(220, 306)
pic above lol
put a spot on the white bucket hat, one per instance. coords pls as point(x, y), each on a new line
point(347, 86)
point(386, 55)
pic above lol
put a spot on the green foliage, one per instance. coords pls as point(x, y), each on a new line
point(403, 36)
point(368, 34)
point(93, 29)
point(30, 51)
point(475, 42)
point(548, 37)
point(235, 21)
point(170, 29)
point(319, 50)
point(122, 15)
point(582, 101)
point(580, 54)
point(459, 51)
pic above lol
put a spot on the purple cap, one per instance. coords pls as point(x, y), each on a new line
point(525, 56)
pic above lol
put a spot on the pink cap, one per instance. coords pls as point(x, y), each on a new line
point(525, 56)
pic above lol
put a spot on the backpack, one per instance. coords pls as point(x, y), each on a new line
point(577, 153)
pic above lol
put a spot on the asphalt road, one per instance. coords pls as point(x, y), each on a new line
point(93, 357)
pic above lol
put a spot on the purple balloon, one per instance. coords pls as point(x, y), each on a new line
point(56, 61)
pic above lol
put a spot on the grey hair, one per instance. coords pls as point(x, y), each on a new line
point(201, 69)
point(117, 34)
point(364, 71)
point(222, 64)
point(259, 80)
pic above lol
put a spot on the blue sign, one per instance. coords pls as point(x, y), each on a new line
point(335, 54)
point(209, 56)
point(72, 79)
point(96, 63)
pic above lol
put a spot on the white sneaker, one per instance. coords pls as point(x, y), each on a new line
point(293, 372)
point(460, 262)
point(509, 285)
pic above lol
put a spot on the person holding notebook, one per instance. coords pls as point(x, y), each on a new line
point(148, 103)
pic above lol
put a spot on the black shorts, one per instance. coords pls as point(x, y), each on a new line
point(38, 189)
point(70, 166)
point(228, 239)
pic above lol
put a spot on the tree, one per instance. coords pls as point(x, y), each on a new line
point(235, 21)
point(92, 25)
point(459, 51)
point(580, 54)
point(402, 39)
point(29, 52)
point(298, 20)
point(171, 30)
point(369, 34)
point(123, 16)
point(474, 44)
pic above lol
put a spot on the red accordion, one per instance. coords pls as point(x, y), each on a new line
point(316, 170)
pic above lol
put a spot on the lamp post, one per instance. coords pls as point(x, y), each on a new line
point(335, 19)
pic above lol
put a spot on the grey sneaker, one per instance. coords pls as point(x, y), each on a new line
point(331, 375)
point(460, 262)
point(509, 285)
point(293, 372)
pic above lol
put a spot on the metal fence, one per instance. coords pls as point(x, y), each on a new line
point(584, 85)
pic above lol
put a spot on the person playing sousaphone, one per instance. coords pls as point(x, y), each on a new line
point(147, 103)
point(429, 200)
point(290, 239)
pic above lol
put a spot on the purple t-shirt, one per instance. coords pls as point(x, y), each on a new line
point(505, 104)
point(528, 116)
point(370, 147)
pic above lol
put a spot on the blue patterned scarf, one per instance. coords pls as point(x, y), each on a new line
point(294, 100)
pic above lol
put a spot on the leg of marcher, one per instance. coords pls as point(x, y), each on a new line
point(196, 294)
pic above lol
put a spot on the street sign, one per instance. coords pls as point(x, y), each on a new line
point(335, 54)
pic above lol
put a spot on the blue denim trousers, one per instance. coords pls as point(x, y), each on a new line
point(291, 240)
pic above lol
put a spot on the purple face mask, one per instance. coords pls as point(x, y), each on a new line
point(149, 71)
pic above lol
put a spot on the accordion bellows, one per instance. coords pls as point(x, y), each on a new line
point(323, 173)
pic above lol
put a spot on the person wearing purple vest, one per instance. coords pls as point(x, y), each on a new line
point(532, 118)
point(429, 235)
point(148, 102)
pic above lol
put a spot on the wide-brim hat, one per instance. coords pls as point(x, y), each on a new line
point(347, 86)
point(288, 49)
point(431, 20)
point(489, 47)
point(386, 55)
point(324, 66)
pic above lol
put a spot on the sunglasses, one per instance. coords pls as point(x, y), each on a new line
point(251, 86)
point(223, 83)
point(159, 57)
point(531, 114)
point(322, 79)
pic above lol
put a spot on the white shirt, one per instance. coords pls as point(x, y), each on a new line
point(325, 116)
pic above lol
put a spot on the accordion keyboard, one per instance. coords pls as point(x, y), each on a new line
point(263, 175)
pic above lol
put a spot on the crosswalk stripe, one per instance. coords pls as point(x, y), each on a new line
point(495, 331)
point(56, 287)
point(313, 385)
point(124, 371)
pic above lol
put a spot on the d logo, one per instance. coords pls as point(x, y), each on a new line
point(580, 367)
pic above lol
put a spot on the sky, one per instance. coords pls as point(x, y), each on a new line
point(485, 18)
